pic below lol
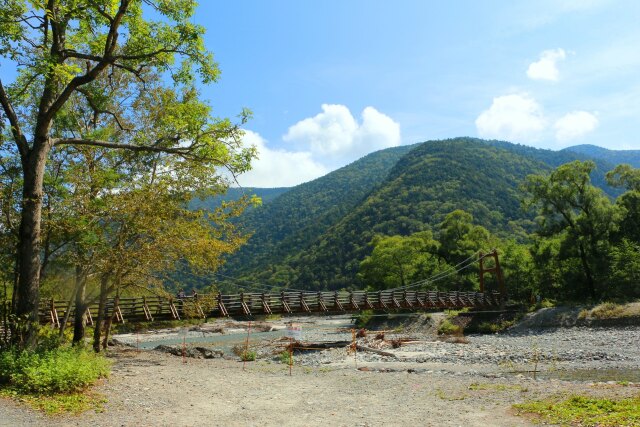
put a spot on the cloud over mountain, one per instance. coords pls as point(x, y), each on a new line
point(279, 168)
point(574, 125)
point(336, 138)
point(514, 117)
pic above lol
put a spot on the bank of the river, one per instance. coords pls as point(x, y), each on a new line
point(427, 381)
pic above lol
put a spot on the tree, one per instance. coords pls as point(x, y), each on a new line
point(397, 261)
point(66, 51)
point(460, 238)
point(578, 216)
point(627, 177)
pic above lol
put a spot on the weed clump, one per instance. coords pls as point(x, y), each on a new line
point(244, 354)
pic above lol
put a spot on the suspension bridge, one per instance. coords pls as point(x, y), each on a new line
point(285, 302)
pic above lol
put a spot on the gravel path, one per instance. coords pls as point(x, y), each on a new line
point(430, 383)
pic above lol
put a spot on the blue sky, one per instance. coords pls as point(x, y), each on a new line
point(329, 81)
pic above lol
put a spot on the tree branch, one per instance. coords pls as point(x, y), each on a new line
point(18, 136)
point(103, 62)
point(114, 145)
point(98, 110)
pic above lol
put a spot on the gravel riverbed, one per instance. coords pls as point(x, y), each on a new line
point(427, 381)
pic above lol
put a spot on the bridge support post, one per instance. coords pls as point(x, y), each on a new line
point(495, 270)
point(55, 320)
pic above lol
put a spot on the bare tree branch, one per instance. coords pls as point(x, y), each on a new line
point(92, 74)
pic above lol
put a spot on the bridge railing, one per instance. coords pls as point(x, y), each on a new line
point(286, 302)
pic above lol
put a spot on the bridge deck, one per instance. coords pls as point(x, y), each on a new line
point(287, 302)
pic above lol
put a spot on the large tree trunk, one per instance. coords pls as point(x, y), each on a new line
point(27, 292)
point(67, 314)
point(107, 327)
point(591, 288)
point(102, 305)
point(79, 320)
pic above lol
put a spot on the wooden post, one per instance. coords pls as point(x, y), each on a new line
point(246, 347)
point(500, 277)
point(481, 260)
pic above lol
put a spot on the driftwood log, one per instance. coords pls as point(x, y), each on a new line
point(376, 351)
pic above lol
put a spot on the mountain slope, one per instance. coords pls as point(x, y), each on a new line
point(429, 182)
point(613, 157)
point(315, 235)
point(298, 217)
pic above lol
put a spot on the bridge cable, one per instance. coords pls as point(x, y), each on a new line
point(441, 275)
point(260, 285)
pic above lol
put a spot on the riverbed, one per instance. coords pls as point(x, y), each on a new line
point(425, 380)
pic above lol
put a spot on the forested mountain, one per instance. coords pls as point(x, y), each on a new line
point(234, 193)
point(315, 235)
point(298, 217)
point(614, 157)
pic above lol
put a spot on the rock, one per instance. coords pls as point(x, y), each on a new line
point(208, 353)
point(193, 352)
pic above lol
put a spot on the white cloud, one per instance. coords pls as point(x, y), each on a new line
point(574, 125)
point(546, 68)
point(336, 136)
point(515, 117)
point(278, 168)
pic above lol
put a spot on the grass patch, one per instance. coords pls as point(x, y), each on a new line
point(454, 313)
point(497, 387)
point(545, 303)
point(610, 310)
point(450, 397)
point(585, 411)
point(56, 404)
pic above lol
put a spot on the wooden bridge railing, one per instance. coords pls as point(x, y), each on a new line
point(138, 309)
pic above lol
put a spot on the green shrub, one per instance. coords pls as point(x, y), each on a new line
point(448, 328)
point(60, 370)
point(363, 319)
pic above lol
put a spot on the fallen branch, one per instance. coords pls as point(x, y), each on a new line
point(373, 350)
point(319, 345)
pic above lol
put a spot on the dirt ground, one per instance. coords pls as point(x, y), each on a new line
point(149, 388)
